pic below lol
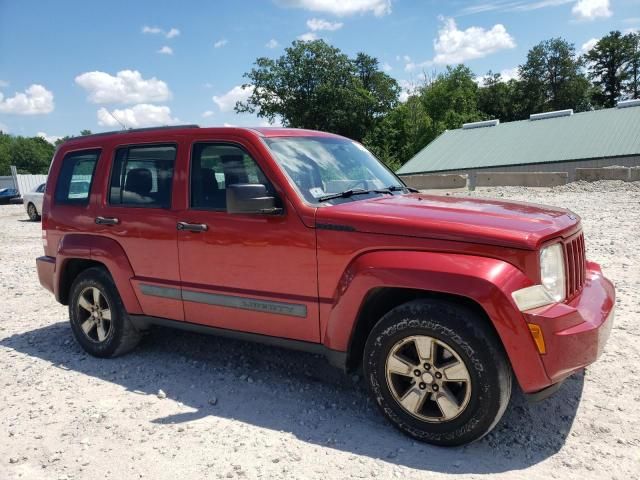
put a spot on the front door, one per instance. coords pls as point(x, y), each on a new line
point(249, 272)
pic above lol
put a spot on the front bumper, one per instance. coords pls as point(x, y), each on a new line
point(576, 332)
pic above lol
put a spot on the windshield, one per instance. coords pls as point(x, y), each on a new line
point(321, 167)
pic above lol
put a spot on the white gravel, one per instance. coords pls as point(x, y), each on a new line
point(189, 406)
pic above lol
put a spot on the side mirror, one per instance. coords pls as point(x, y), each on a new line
point(251, 198)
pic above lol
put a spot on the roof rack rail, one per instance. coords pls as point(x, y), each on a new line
point(481, 124)
point(136, 130)
point(634, 102)
point(558, 113)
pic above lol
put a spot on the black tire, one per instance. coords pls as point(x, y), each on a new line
point(32, 211)
point(468, 336)
point(121, 336)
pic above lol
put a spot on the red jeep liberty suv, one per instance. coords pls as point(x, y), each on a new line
point(303, 239)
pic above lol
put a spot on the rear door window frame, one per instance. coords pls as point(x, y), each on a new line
point(128, 147)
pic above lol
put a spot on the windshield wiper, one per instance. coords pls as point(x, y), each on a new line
point(353, 191)
point(397, 188)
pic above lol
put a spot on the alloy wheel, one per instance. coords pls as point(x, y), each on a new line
point(94, 314)
point(428, 379)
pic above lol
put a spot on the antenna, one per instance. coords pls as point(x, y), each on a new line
point(124, 127)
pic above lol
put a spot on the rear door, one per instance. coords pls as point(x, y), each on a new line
point(249, 272)
point(136, 210)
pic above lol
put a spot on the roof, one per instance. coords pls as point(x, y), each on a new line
point(610, 132)
point(183, 129)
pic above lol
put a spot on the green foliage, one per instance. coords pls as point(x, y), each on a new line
point(28, 154)
point(632, 69)
point(607, 62)
point(499, 99)
point(552, 78)
point(315, 85)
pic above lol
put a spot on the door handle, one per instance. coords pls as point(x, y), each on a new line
point(107, 221)
point(192, 227)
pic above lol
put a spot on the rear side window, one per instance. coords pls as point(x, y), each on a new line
point(142, 176)
point(76, 177)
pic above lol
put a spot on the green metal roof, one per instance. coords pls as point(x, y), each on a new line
point(602, 133)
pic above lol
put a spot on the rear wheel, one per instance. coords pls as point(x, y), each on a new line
point(438, 372)
point(99, 321)
point(32, 211)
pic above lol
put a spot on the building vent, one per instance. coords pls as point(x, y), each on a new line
point(485, 123)
point(628, 103)
point(545, 115)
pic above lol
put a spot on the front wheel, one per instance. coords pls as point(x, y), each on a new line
point(438, 372)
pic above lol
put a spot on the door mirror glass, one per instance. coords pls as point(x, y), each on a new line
point(251, 198)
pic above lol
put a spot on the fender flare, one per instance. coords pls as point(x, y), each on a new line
point(488, 282)
point(104, 250)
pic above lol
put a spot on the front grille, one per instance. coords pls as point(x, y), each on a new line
point(575, 264)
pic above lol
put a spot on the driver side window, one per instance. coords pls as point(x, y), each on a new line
point(215, 166)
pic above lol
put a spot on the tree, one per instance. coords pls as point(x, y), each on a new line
point(498, 99)
point(29, 155)
point(451, 100)
point(444, 103)
point(401, 134)
point(552, 78)
point(607, 63)
point(632, 88)
point(314, 85)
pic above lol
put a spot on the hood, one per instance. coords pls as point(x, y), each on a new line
point(495, 222)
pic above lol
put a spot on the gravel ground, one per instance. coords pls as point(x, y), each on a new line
point(202, 407)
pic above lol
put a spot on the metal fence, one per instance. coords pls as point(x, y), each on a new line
point(26, 183)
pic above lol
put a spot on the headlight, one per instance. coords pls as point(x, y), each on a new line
point(552, 274)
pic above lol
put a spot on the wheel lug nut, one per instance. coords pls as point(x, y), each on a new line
point(422, 385)
point(434, 387)
point(438, 375)
point(427, 366)
point(416, 372)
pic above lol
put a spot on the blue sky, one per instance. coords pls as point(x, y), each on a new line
point(64, 66)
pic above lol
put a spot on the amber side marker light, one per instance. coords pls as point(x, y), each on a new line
point(536, 333)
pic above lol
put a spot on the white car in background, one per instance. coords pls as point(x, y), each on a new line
point(32, 201)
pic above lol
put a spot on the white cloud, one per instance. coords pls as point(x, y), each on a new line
point(510, 74)
point(166, 50)
point(273, 43)
point(127, 86)
point(151, 30)
point(386, 67)
point(207, 114)
point(506, 74)
point(407, 89)
point(512, 6)
point(591, 9)
point(35, 100)
point(457, 46)
point(308, 37)
point(52, 139)
point(227, 101)
point(588, 45)
point(220, 43)
point(173, 32)
point(341, 7)
point(318, 24)
point(141, 115)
